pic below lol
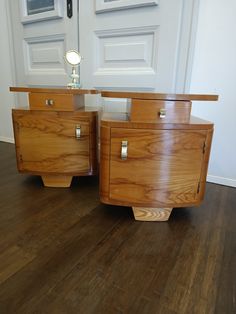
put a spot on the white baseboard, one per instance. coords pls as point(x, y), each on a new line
point(221, 180)
point(7, 139)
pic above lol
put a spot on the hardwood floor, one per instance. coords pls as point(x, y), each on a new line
point(61, 251)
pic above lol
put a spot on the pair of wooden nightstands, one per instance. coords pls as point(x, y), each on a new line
point(153, 159)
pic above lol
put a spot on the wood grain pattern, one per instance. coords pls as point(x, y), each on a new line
point(149, 111)
point(158, 96)
point(45, 135)
point(46, 143)
point(116, 94)
point(67, 253)
point(61, 102)
point(57, 181)
point(12, 260)
point(163, 167)
point(122, 121)
point(207, 150)
point(151, 214)
point(54, 90)
point(104, 173)
point(93, 141)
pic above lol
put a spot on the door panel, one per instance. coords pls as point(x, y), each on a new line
point(163, 166)
point(46, 143)
point(140, 48)
point(41, 40)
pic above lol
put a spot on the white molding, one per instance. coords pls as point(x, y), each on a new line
point(7, 139)
point(187, 39)
point(48, 15)
point(124, 75)
point(11, 46)
point(126, 31)
point(102, 6)
point(191, 47)
point(41, 40)
point(36, 76)
point(124, 71)
point(221, 180)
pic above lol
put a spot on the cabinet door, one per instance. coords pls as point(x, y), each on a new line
point(47, 143)
point(163, 167)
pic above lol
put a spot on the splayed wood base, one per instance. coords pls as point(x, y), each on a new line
point(57, 181)
point(151, 214)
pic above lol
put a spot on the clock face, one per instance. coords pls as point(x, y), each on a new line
point(73, 57)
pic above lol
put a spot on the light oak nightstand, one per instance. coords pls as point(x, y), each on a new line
point(56, 136)
point(156, 157)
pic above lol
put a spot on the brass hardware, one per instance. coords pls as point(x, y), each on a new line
point(78, 132)
point(49, 102)
point(124, 150)
point(162, 113)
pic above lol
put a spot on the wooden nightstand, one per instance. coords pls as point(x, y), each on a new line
point(56, 137)
point(156, 157)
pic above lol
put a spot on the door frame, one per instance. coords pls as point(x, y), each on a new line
point(187, 45)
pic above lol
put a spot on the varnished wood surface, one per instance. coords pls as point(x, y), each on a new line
point(119, 120)
point(61, 102)
point(61, 251)
point(116, 94)
point(149, 111)
point(151, 214)
point(58, 181)
point(206, 157)
point(54, 90)
point(104, 173)
point(158, 96)
point(46, 142)
point(162, 169)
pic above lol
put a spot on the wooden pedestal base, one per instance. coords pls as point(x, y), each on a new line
point(151, 214)
point(57, 181)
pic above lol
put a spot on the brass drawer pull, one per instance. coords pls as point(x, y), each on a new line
point(124, 150)
point(78, 132)
point(49, 102)
point(162, 113)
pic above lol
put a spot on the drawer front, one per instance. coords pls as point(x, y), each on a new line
point(48, 143)
point(158, 111)
point(156, 166)
point(53, 102)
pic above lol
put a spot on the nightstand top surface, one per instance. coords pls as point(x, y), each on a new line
point(54, 90)
point(158, 96)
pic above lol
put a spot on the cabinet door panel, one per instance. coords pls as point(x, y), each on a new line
point(163, 166)
point(47, 143)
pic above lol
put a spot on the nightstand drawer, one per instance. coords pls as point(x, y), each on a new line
point(55, 102)
point(159, 111)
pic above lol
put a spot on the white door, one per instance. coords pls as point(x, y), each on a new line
point(137, 44)
point(43, 30)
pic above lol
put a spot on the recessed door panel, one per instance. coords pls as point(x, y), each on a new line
point(47, 143)
point(162, 167)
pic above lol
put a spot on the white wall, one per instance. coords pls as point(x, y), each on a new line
point(214, 71)
point(7, 100)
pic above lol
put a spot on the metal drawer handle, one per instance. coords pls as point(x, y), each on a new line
point(124, 150)
point(162, 113)
point(78, 132)
point(49, 102)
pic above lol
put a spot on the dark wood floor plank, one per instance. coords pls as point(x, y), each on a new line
point(61, 251)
